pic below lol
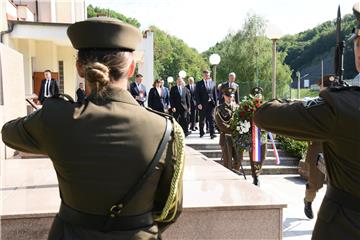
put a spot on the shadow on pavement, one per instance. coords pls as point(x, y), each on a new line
point(296, 179)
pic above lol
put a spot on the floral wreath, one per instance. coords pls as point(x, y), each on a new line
point(242, 120)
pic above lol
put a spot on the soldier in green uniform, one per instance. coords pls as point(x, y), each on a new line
point(223, 117)
point(119, 166)
point(334, 120)
point(316, 177)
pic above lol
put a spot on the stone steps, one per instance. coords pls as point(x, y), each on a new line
point(288, 164)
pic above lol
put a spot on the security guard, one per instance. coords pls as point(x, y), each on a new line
point(333, 119)
point(316, 177)
point(223, 117)
point(119, 165)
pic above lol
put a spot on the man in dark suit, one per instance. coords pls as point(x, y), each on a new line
point(80, 93)
point(180, 104)
point(206, 99)
point(229, 84)
point(48, 87)
point(165, 94)
point(138, 90)
point(193, 110)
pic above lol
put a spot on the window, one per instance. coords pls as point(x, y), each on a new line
point(61, 76)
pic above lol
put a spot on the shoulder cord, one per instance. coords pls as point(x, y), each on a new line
point(221, 118)
point(176, 182)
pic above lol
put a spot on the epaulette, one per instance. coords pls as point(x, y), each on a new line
point(166, 115)
point(343, 88)
point(65, 97)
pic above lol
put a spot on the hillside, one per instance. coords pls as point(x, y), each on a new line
point(305, 50)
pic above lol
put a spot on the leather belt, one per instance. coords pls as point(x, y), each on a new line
point(344, 199)
point(101, 222)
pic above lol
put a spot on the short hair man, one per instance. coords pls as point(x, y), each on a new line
point(48, 88)
point(138, 89)
point(230, 83)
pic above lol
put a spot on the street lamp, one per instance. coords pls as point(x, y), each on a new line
point(214, 60)
point(169, 80)
point(182, 74)
point(274, 34)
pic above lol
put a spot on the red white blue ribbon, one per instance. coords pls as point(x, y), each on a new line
point(256, 142)
point(277, 159)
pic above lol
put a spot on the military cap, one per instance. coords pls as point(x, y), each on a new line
point(228, 91)
point(328, 80)
point(104, 33)
point(256, 91)
point(356, 31)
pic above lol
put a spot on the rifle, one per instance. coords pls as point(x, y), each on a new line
point(339, 53)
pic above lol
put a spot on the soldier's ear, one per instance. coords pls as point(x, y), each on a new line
point(131, 70)
point(80, 69)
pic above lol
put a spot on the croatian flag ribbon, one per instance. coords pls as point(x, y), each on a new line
point(277, 159)
point(256, 142)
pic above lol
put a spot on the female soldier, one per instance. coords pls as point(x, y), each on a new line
point(114, 160)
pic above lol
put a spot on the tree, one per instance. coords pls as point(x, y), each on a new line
point(96, 11)
point(247, 52)
point(172, 55)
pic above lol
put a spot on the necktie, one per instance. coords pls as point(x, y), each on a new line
point(47, 88)
point(180, 90)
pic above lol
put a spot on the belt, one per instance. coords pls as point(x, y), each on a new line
point(102, 222)
point(344, 199)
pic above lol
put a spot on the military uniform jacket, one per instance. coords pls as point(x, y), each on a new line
point(223, 115)
point(99, 149)
point(334, 119)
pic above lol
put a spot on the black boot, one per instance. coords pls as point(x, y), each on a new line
point(256, 181)
point(308, 210)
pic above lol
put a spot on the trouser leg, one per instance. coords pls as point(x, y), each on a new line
point(201, 121)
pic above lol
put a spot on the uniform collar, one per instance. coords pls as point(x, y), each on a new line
point(115, 94)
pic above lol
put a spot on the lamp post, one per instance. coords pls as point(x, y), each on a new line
point(182, 74)
point(169, 80)
point(274, 34)
point(214, 60)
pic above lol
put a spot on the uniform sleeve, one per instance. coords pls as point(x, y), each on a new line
point(313, 121)
point(23, 133)
point(223, 127)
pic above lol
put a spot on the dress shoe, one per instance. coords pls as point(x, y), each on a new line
point(308, 210)
point(201, 135)
point(256, 182)
point(196, 128)
point(213, 136)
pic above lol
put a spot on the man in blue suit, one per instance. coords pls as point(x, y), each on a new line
point(206, 100)
point(138, 90)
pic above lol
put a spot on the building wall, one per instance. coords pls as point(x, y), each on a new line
point(46, 56)
point(65, 11)
point(26, 48)
point(44, 11)
point(13, 87)
point(68, 55)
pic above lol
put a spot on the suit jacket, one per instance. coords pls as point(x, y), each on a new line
point(155, 101)
point(54, 89)
point(166, 96)
point(226, 85)
point(205, 96)
point(180, 102)
point(192, 95)
point(137, 92)
point(99, 152)
point(80, 94)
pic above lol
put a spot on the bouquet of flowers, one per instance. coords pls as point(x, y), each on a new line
point(242, 119)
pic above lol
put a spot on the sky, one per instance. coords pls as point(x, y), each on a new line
point(203, 23)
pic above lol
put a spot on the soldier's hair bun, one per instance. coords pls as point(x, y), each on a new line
point(98, 74)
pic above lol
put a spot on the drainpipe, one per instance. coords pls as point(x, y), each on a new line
point(11, 28)
point(37, 10)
